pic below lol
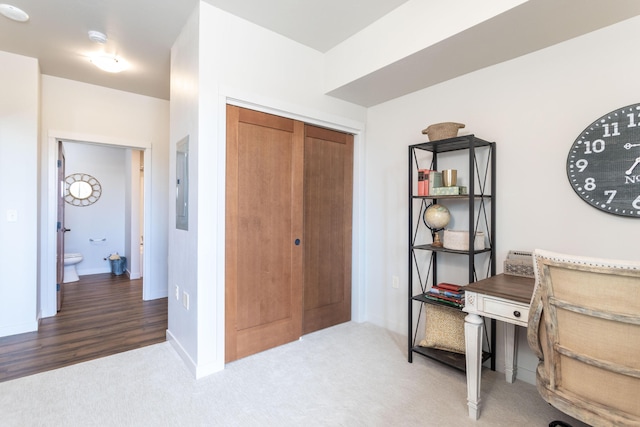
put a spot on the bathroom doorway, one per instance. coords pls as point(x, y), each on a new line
point(111, 221)
point(139, 225)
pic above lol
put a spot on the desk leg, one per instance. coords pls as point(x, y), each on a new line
point(510, 351)
point(473, 326)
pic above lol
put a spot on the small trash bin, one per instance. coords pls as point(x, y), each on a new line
point(118, 265)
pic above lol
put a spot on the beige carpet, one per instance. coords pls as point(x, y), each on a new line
point(349, 375)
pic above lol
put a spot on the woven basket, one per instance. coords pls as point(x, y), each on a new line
point(442, 130)
point(519, 263)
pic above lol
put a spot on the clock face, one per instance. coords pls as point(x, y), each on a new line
point(603, 165)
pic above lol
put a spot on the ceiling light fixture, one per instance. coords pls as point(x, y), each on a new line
point(13, 13)
point(110, 63)
point(97, 37)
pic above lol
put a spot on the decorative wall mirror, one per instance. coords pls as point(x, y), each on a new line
point(182, 184)
point(81, 189)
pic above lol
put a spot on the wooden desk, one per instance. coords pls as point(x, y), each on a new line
point(501, 297)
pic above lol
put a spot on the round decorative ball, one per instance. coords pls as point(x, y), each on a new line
point(437, 217)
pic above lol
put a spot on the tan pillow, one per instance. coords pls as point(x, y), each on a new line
point(444, 328)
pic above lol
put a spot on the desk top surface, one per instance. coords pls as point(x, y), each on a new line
point(505, 286)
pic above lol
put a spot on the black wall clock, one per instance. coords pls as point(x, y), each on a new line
point(603, 165)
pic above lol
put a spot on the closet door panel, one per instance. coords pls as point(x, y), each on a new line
point(328, 195)
point(264, 219)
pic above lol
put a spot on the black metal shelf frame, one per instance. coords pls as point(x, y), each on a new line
point(482, 193)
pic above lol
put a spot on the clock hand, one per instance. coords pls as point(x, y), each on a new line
point(633, 166)
point(628, 145)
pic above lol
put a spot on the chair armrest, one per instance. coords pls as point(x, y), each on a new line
point(533, 328)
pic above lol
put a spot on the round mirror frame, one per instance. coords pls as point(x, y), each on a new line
point(81, 199)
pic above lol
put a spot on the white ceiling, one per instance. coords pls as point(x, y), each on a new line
point(143, 31)
point(320, 24)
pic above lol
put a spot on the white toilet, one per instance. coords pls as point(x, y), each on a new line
point(70, 273)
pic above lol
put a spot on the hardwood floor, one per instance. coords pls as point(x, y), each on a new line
point(101, 315)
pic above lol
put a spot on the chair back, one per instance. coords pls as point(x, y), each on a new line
point(584, 326)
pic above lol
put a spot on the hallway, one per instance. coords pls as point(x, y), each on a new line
point(102, 315)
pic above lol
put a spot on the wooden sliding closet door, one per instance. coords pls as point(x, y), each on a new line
point(328, 199)
point(263, 231)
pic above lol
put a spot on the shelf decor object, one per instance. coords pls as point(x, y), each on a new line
point(444, 329)
point(444, 130)
point(436, 218)
point(476, 160)
point(459, 240)
point(519, 263)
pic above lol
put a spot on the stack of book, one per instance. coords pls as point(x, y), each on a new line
point(447, 293)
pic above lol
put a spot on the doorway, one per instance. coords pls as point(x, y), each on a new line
point(47, 287)
point(106, 219)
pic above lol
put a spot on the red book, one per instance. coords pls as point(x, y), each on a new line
point(423, 182)
point(450, 287)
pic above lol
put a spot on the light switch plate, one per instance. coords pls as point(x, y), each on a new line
point(12, 215)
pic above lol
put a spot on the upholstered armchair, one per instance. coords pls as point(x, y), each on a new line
point(584, 326)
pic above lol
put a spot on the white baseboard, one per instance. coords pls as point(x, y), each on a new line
point(191, 365)
point(89, 271)
point(526, 375)
point(197, 371)
point(21, 328)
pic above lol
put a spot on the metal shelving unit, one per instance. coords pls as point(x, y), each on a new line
point(480, 202)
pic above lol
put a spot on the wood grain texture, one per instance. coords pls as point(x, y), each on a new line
point(584, 327)
point(102, 315)
point(515, 288)
point(328, 195)
point(263, 303)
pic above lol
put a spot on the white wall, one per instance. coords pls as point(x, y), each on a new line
point(19, 105)
point(77, 111)
point(533, 107)
point(183, 326)
point(104, 219)
point(220, 58)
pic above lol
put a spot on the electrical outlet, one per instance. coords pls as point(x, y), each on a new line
point(12, 215)
point(185, 300)
point(395, 282)
point(177, 292)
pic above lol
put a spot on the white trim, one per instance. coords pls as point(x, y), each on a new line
point(87, 138)
point(291, 111)
point(19, 328)
point(358, 248)
point(48, 236)
point(221, 231)
point(147, 259)
point(184, 355)
point(197, 370)
point(48, 233)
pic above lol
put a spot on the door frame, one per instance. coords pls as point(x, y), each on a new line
point(60, 228)
point(358, 303)
point(47, 291)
